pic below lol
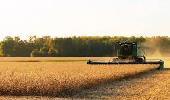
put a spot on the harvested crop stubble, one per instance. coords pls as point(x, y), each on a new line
point(58, 78)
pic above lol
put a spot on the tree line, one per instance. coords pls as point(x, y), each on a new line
point(77, 46)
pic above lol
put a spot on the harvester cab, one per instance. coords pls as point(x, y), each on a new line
point(129, 53)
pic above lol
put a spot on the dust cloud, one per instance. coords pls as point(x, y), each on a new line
point(153, 50)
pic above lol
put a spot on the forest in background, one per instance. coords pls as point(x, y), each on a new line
point(83, 46)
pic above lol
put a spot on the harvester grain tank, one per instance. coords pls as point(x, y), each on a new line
point(129, 53)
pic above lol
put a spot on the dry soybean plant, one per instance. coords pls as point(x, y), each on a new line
point(58, 78)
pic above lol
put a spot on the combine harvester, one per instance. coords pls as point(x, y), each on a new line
point(129, 53)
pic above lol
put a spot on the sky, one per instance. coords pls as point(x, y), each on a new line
point(63, 18)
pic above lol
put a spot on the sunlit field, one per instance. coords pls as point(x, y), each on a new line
point(58, 76)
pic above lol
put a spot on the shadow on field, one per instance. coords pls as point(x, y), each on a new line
point(101, 90)
point(91, 90)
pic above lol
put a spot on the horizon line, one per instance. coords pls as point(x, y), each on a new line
point(26, 38)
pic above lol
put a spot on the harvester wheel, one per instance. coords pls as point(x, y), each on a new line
point(89, 62)
point(139, 60)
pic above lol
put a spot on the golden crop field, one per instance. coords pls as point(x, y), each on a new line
point(55, 77)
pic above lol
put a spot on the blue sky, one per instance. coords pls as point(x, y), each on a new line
point(84, 17)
